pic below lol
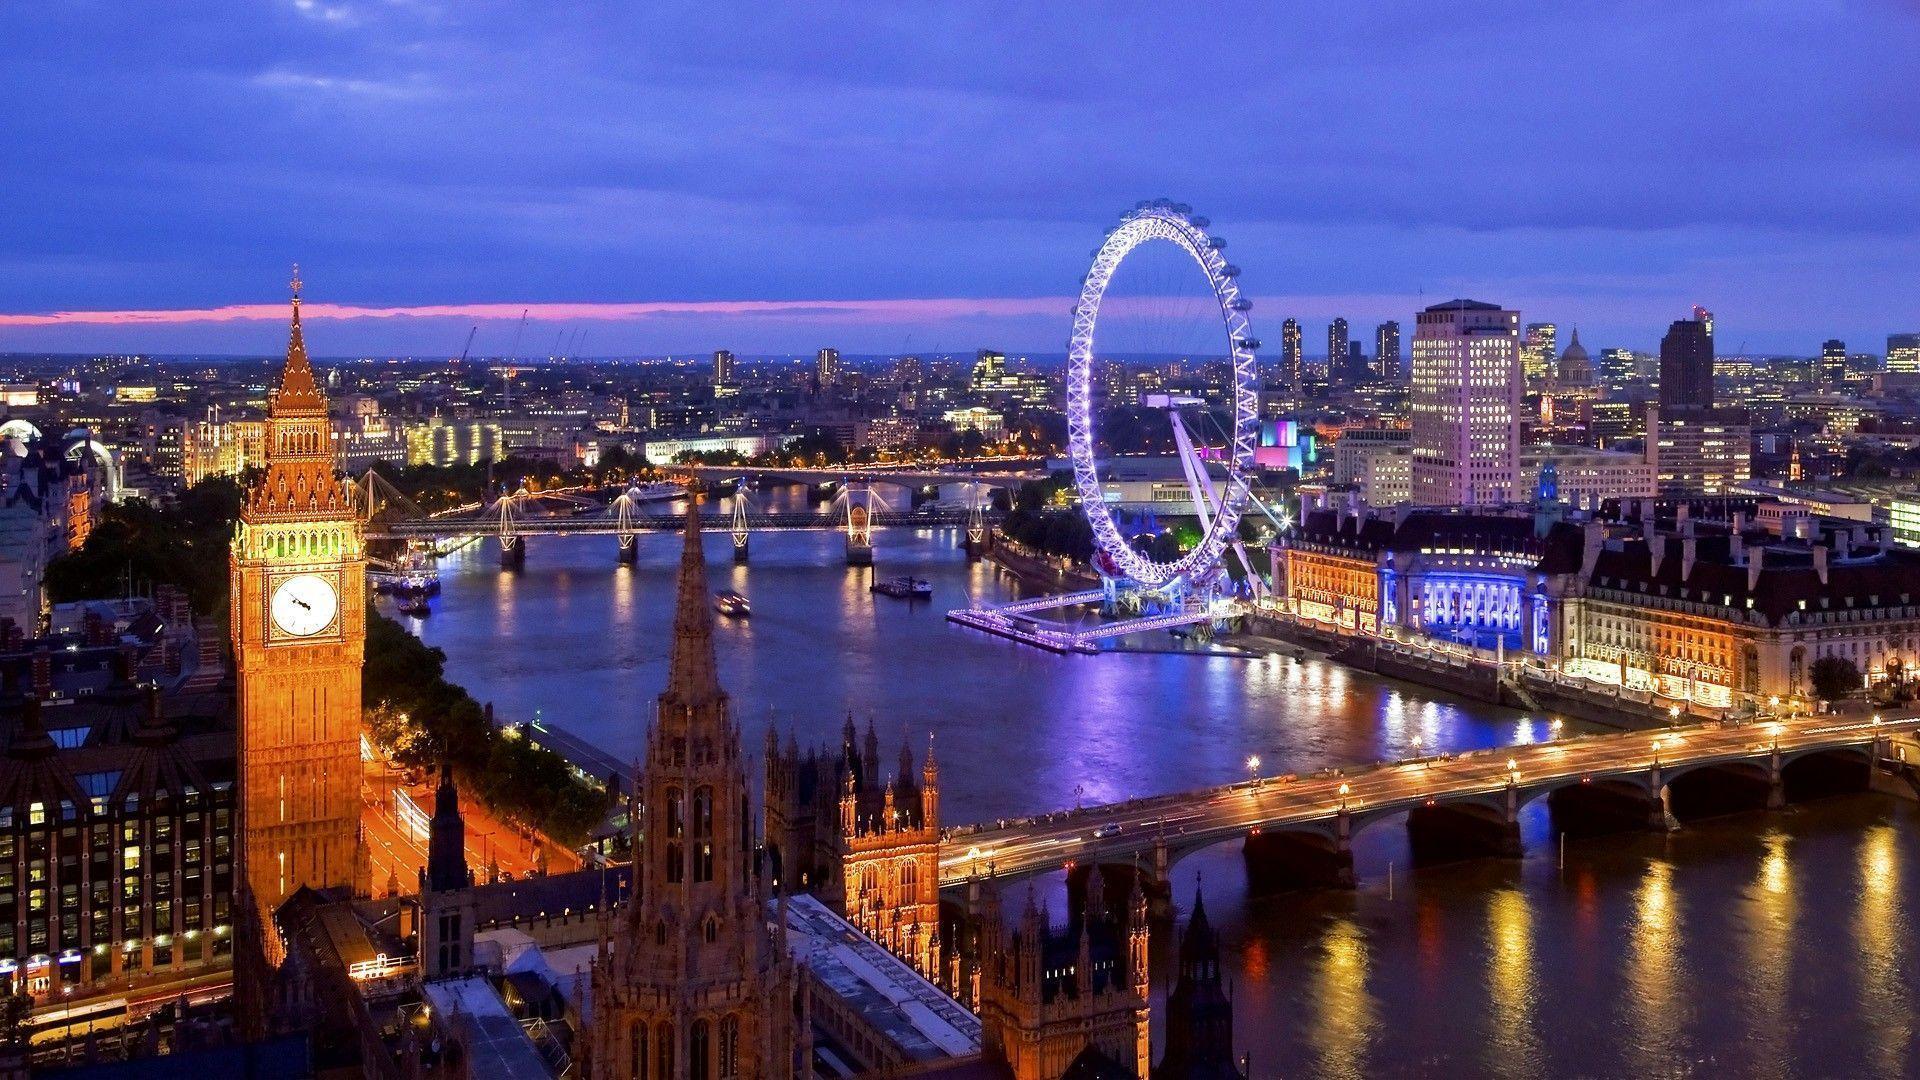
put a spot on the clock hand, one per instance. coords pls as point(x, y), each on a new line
point(301, 602)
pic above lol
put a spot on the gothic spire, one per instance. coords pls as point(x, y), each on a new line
point(298, 391)
point(446, 837)
point(692, 678)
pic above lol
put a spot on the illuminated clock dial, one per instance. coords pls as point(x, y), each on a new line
point(305, 605)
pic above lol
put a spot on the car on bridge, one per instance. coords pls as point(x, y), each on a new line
point(1105, 831)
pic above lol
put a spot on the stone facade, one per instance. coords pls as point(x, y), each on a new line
point(867, 844)
point(296, 554)
point(692, 981)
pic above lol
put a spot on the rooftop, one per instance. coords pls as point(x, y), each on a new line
point(925, 1023)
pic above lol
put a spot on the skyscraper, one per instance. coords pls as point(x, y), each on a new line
point(1467, 391)
point(1686, 364)
point(1386, 352)
point(1538, 348)
point(1292, 366)
point(1337, 350)
point(297, 571)
point(694, 981)
point(1903, 353)
point(722, 368)
point(826, 367)
point(1833, 365)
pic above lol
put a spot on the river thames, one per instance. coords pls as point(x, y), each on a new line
point(1761, 945)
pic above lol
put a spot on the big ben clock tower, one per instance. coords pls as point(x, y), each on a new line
point(298, 618)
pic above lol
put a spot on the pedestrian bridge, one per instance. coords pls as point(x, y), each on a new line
point(1298, 830)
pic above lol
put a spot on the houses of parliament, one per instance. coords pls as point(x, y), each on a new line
point(806, 939)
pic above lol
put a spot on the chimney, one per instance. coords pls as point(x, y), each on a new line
point(1687, 551)
point(1739, 522)
point(1683, 518)
point(42, 673)
point(1592, 538)
point(1736, 548)
point(1755, 563)
point(1306, 505)
point(1820, 562)
point(1657, 552)
point(1842, 543)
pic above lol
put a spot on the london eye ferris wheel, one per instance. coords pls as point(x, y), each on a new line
point(1219, 503)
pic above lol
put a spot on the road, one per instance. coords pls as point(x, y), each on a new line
point(397, 852)
point(1216, 814)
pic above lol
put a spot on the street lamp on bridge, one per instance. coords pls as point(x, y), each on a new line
point(1253, 770)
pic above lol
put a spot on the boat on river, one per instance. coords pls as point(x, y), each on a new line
point(905, 588)
point(732, 604)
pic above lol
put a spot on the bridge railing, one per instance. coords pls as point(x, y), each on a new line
point(1890, 725)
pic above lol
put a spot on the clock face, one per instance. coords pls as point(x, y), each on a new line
point(305, 605)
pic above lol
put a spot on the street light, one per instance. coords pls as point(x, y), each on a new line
point(1416, 746)
point(1253, 769)
point(1343, 795)
point(1656, 752)
point(1556, 726)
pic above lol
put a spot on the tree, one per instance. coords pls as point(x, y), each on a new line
point(1834, 677)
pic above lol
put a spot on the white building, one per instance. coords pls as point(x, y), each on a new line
point(1467, 394)
point(1382, 471)
point(1587, 475)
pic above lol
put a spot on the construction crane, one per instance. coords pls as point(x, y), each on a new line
point(468, 347)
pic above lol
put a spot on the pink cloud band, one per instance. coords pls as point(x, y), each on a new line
point(879, 311)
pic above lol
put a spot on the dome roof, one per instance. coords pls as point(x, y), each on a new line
point(1575, 350)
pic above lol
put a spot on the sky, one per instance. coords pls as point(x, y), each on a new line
point(663, 178)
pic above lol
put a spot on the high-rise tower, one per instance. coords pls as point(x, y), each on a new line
point(1292, 367)
point(1537, 350)
point(693, 981)
point(1337, 352)
point(1466, 404)
point(298, 619)
point(1833, 365)
point(1686, 364)
point(1386, 352)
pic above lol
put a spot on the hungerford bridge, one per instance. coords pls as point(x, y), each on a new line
point(851, 506)
point(1298, 831)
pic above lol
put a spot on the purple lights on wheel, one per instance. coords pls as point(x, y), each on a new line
point(1175, 224)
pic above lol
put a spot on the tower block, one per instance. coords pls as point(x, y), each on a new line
point(297, 570)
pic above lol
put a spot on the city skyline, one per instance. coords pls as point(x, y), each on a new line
point(887, 190)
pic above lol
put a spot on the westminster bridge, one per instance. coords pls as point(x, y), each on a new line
point(1298, 830)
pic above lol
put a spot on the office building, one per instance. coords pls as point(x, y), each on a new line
point(1699, 451)
point(1832, 375)
point(1337, 351)
point(1386, 352)
point(1538, 347)
point(1686, 364)
point(722, 368)
point(1292, 366)
point(1466, 404)
point(826, 367)
point(1903, 354)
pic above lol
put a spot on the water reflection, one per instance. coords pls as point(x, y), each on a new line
point(1880, 937)
point(1514, 1048)
point(1769, 935)
point(1653, 1003)
point(1344, 1017)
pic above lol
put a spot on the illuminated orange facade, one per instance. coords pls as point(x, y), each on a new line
point(867, 843)
point(298, 619)
point(1338, 590)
